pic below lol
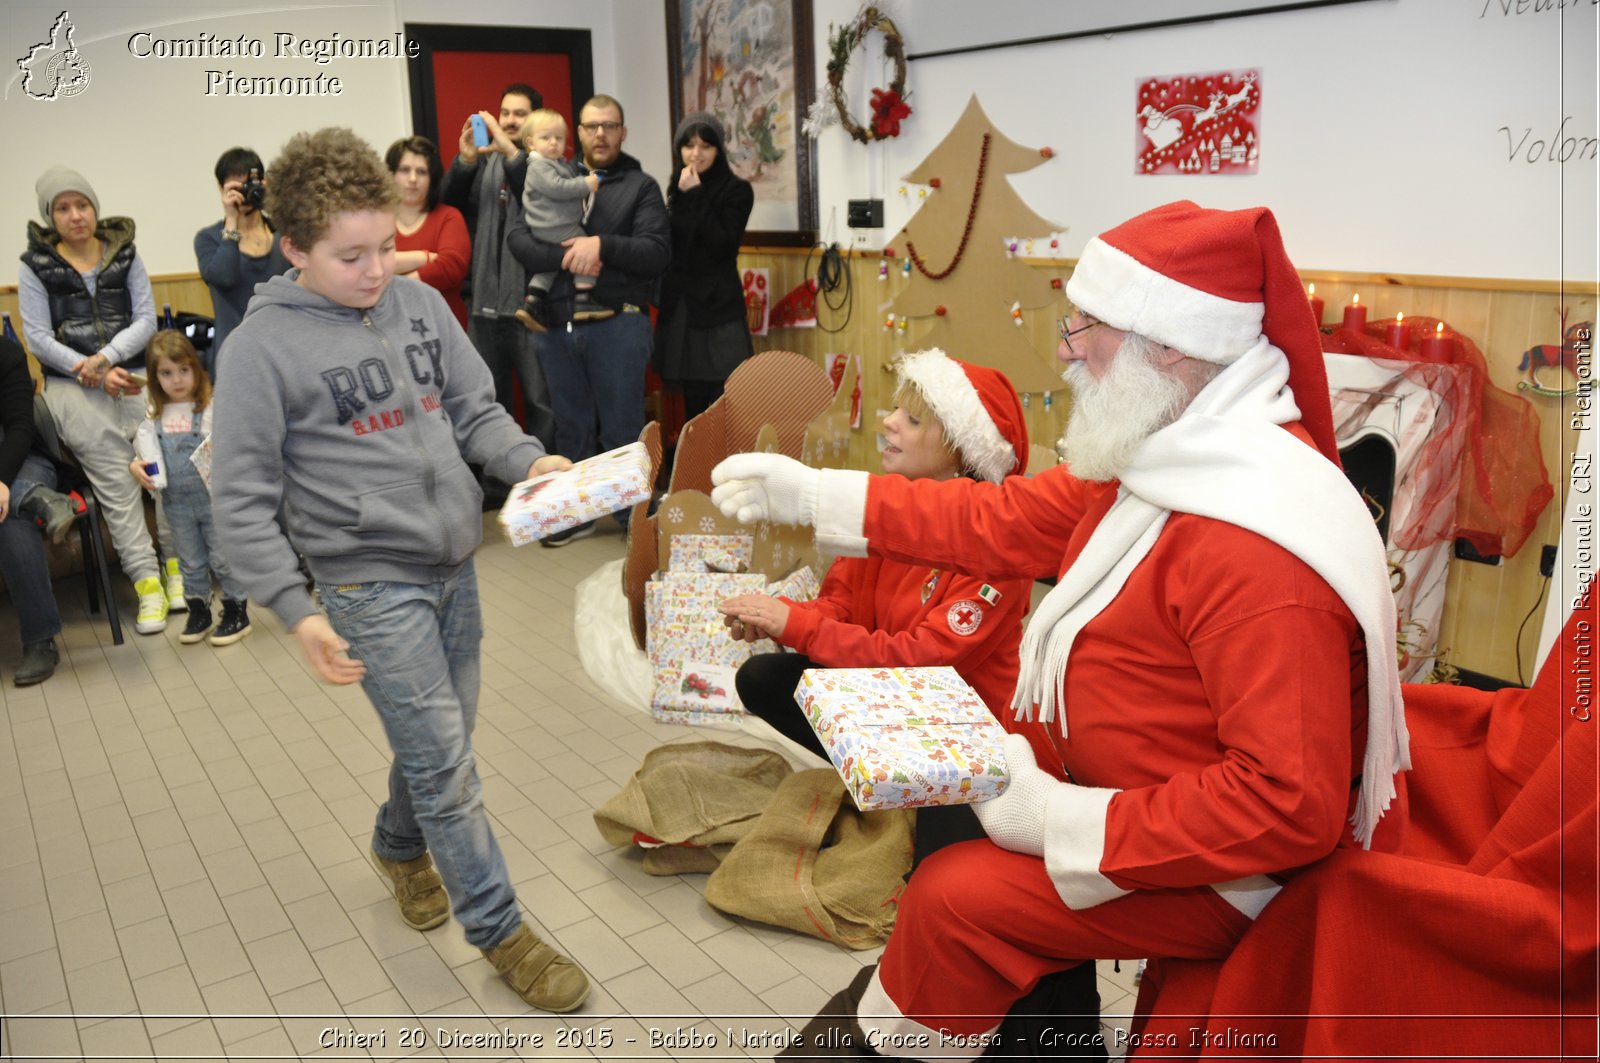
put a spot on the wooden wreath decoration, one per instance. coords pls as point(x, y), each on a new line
point(889, 105)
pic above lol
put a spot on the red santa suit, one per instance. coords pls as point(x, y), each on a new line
point(1220, 654)
point(873, 612)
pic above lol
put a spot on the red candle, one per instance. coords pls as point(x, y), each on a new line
point(1316, 304)
point(1439, 347)
point(1398, 333)
point(1355, 315)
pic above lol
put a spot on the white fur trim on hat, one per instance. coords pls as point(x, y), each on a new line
point(967, 424)
point(1117, 288)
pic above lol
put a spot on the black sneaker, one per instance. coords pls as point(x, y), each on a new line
point(53, 511)
point(199, 621)
point(235, 623)
point(39, 660)
point(585, 308)
point(562, 538)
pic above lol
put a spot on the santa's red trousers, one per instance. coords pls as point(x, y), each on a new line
point(979, 925)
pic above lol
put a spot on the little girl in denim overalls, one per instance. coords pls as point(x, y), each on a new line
point(178, 422)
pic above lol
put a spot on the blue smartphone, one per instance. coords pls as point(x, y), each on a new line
point(480, 131)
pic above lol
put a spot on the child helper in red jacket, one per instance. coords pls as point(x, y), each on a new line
point(950, 419)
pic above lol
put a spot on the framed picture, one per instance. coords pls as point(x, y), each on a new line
point(749, 62)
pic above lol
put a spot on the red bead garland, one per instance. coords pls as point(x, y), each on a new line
point(966, 233)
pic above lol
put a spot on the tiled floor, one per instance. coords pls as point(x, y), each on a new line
point(183, 839)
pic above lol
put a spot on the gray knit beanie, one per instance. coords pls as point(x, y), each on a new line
point(700, 118)
point(59, 179)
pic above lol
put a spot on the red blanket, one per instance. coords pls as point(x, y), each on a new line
point(1477, 939)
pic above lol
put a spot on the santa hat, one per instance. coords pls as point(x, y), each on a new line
point(1209, 283)
point(979, 409)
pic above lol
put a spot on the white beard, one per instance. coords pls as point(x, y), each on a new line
point(1113, 415)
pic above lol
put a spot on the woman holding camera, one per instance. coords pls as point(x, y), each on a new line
point(238, 252)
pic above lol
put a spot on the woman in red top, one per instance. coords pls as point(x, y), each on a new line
point(951, 419)
point(431, 241)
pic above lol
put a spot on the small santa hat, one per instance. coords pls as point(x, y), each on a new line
point(979, 409)
point(1209, 283)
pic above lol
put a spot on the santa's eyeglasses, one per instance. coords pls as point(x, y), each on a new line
point(1066, 331)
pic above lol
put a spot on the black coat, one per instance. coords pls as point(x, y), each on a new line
point(707, 230)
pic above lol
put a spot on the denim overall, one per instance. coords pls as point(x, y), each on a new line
point(188, 504)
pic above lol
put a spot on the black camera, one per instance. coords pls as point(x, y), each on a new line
point(254, 190)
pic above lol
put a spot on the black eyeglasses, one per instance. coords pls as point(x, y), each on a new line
point(595, 127)
point(1066, 331)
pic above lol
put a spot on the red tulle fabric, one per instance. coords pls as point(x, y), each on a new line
point(1504, 485)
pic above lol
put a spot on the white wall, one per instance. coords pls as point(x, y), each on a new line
point(1381, 141)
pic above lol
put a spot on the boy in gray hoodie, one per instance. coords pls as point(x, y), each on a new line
point(352, 405)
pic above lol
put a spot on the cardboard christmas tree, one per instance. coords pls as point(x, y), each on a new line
point(965, 282)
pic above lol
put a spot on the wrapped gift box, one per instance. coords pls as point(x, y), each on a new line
point(556, 501)
point(710, 553)
point(903, 737)
point(692, 655)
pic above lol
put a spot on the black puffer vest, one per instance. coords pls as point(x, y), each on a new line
point(85, 322)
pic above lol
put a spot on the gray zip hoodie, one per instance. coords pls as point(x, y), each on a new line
point(354, 424)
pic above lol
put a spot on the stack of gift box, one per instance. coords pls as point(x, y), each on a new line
point(693, 657)
point(904, 737)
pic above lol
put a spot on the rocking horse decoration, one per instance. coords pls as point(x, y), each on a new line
point(1576, 342)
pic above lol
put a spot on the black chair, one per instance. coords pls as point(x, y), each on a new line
point(71, 477)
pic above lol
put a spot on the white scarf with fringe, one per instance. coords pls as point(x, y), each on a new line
point(1225, 458)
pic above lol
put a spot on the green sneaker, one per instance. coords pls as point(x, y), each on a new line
point(176, 602)
point(152, 618)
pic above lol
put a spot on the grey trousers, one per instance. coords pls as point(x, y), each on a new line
point(99, 430)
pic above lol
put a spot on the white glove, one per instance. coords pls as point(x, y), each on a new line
point(1015, 819)
point(756, 487)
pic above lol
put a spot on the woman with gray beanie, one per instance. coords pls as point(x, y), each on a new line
point(88, 312)
point(702, 335)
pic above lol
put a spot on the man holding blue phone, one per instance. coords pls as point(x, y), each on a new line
point(485, 184)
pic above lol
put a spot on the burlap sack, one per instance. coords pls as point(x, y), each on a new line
point(814, 864)
point(696, 797)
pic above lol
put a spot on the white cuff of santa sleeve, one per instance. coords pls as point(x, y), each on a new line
point(1075, 843)
point(842, 512)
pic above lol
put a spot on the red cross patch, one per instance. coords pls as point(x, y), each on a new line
point(964, 617)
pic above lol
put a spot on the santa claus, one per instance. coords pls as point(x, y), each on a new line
point(1216, 662)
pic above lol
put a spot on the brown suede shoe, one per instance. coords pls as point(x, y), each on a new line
point(538, 973)
point(417, 888)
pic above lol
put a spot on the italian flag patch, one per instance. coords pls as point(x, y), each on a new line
point(989, 594)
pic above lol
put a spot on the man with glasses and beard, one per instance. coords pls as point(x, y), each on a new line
point(1215, 664)
point(595, 365)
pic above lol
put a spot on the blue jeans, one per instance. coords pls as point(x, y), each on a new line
point(595, 370)
point(194, 536)
point(22, 559)
point(420, 643)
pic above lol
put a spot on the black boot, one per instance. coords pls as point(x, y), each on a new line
point(533, 313)
point(52, 509)
point(586, 308)
point(39, 660)
point(1059, 1019)
point(199, 621)
point(834, 1033)
point(235, 623)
